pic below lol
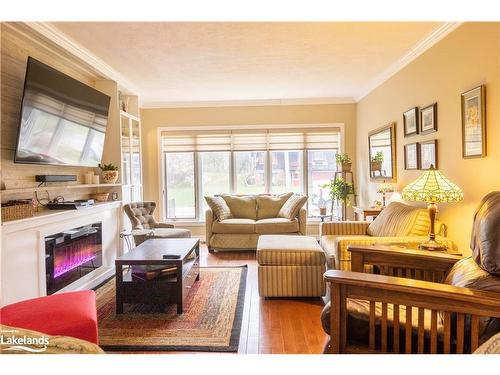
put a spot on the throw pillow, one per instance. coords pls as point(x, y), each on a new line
point(397, 219)
point(244, 207)
point(292, 206)
point(269, 206)
point(219, 207)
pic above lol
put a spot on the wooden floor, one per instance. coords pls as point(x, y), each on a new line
point(277, 325)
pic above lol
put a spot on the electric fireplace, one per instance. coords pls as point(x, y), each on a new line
point(72, 254)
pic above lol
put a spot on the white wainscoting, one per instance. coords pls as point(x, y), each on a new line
point(23, 249)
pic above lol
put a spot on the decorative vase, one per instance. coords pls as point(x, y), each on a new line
point(88, 178)
point(109, 177)
point(346, 167)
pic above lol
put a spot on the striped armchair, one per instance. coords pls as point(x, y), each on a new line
point(397, 223)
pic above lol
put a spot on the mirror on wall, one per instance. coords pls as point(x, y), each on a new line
point(382, 151)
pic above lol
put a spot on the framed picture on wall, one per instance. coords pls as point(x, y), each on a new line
point(428, 119)
point(410, 122)
point(412, 156)
point(428, 154)
point(474, 123)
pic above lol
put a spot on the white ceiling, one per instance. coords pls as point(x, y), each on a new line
point(174, 62)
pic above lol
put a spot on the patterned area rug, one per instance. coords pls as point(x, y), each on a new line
point(211, 320)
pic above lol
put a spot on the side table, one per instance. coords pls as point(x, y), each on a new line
point(363, 212)
point(403, 261)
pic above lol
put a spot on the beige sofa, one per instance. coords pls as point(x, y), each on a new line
point(398, 223)
point(252, 217)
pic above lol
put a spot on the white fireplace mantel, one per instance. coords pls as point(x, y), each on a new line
point(23, 249)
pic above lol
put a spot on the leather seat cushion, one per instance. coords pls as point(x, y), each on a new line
point(467, 274)
point(485, 239)
point(242, 226)
point(276, 225)
point(358, 322)
point(289, 250)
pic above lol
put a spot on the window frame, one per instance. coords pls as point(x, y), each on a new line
point(199, 219)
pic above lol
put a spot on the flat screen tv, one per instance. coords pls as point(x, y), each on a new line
point(62, 122)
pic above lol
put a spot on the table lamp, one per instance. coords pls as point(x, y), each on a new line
point(384, 188)
point(432, 187)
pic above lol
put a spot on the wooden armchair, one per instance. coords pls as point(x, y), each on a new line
point(421, 302)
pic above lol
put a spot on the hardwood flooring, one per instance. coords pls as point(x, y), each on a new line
point(271, 326)
point(275, 325)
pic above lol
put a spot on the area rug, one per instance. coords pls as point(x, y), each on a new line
point(211, 321)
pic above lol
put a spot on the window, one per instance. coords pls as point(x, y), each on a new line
point(204, 163)
point(250, 172)
point(181, 198)
point(320, 170)
point(287, 170)
point(215, 175)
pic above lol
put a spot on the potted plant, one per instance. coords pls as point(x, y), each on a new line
point(344, 161)
point(376, 161)
point(109, 173)
point(340, 191)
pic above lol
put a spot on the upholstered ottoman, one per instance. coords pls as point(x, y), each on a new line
point(290, 266)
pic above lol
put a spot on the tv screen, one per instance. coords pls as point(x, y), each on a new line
point(63, 121)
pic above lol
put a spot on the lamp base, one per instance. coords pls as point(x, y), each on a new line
point(432, 245)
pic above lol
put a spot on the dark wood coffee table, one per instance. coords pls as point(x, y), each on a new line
point(160, 290)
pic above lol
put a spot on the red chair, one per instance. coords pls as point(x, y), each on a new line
point(66, 314)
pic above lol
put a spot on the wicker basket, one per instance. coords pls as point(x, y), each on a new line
point(100, 197)
point(15, 210)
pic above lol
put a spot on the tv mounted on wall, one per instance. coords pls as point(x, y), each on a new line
point(62, 122)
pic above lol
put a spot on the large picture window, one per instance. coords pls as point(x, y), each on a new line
point(180, 184)
point(274, 161)
point(215, 175)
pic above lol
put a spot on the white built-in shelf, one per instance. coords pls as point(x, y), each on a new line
point(126, 114)
point(54, 188)
point(43, 215)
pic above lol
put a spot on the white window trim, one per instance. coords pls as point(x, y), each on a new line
point(177, 128)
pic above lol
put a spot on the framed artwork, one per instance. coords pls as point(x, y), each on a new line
point(474, 123)
point(382, 153)
point(410, 122)
point(428, 154)
point(428, 119)
point(412, 156)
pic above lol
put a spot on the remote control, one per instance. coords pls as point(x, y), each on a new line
point(171, 256)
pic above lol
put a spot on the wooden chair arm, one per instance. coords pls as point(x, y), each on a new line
point(399, 257)
point(416, 296)
point(417, 293)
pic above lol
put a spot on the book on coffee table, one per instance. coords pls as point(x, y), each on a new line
point(150, 272)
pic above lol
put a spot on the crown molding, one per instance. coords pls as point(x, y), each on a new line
point(68, 44)
point(248, 103)
point(423, 45)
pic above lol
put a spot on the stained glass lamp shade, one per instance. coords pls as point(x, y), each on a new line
point(432, 187)
point(384, 188)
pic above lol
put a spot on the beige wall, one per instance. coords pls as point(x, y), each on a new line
point(463, 60)
point(17, 43)
point(254, 115)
